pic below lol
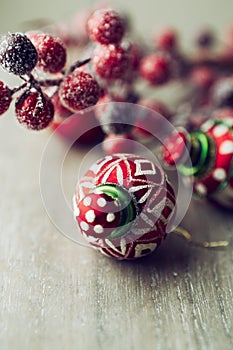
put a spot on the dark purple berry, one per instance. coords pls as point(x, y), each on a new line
point(204, 38)
point(17, 54)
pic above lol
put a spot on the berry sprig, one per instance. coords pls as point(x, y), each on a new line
point(117, 68)
point(73, 90)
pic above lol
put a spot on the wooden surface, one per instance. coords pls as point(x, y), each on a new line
point(55, 294)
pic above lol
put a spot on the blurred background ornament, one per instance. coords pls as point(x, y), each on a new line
point(211, 152)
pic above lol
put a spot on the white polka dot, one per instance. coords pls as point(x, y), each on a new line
point(170, 146)
point(90, 216)
point(101, 202)
point(219, 174)
point(226, 147)
point(207, 125)
point(220, 130)
point(201, 189)
point(110, 217)
point(179, 141)
point(84, 226)
point(98, 229)
point(175, 156)
point(87, 201)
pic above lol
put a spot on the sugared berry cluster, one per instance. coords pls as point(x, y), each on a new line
point(117, 67)
point(35, 106)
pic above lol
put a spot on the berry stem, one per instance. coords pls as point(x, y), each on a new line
point(35, 84)
point(215, 63)
point(18, 88)
point(50, 82)
point(78, 64)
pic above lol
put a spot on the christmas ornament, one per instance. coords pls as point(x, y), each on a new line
point(123, 205)
point(211, 152)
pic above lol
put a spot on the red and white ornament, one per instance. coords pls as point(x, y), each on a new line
point(123, 205)
point(218, 182)
point(211, 153)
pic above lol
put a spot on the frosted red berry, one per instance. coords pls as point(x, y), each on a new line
point(166, 39)
point(110, 61)
point(106, 26)
point(17, 54)
point(156, 69)
point(51, 51)
point(5, 98)
point(79, 90)
point(34, 110)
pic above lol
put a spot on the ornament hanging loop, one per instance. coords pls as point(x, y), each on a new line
point(180, 231)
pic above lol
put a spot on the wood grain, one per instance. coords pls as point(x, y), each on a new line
point(55, 294)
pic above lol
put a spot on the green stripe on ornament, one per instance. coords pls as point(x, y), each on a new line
point(203, 149)
point(127, 203)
